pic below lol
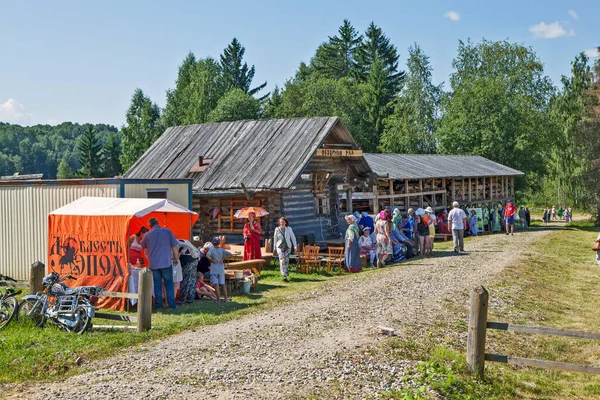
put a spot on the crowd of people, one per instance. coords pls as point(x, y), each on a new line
point(392, 236)
point(553, 214)
point(179, 268)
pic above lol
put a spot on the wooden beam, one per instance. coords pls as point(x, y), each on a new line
point(453, 190)
point(502, 326)
point(528, 362)
point(470, 191)
point(512, 186)
point(462, 193)
point(391, 183)
point(406, 187)
point(445, 194)
point(349, 201)
point(421, 191)
point(116, 317)
point(484, 197)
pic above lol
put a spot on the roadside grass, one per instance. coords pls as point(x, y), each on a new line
point(556, 284)
point(28, 353)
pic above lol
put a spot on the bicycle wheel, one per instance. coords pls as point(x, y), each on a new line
point(28, 316)
point(8, 308)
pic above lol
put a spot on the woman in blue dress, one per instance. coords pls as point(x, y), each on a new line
point(352, 250)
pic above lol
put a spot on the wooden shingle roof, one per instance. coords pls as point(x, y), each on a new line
point(417, 166)
point(260, 154)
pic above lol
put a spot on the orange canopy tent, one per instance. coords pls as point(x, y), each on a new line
point(88, 238)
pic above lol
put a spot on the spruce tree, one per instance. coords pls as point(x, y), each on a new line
point(111, 152)
point(235, 72)
point(337, 57)
point(91, 159)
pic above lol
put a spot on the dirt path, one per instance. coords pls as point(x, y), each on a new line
point(317, 344)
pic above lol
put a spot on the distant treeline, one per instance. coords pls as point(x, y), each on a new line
point(500, 105)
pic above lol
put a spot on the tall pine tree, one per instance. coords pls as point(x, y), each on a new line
point(236, 73)
point(337, 57)
point(91, 158)
point(111, 152)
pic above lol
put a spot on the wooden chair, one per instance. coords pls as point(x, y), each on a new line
point(311, 258)
point(335, 258)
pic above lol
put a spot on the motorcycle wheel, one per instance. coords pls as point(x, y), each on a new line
point(36, 318)
point(85, 322)
point(8, 308)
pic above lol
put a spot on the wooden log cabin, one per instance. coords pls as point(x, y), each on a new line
point(293, 167)
point(421, 180)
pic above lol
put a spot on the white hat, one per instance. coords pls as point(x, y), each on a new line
point(420, 211)
point(455, 204)
point(429, 210)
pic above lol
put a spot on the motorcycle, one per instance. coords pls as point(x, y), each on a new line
point(9, 305)
point(71, 309)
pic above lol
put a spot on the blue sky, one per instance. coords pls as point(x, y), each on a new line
point(81, 61)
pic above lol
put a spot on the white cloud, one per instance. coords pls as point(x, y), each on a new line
point(592, 53)
point(452, 15)
point(573, 14)
point(549, 31)
point(14, 112)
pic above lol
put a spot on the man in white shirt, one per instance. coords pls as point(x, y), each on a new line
point(457, 219)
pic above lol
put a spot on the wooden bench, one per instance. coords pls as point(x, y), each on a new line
point(255, 266)
point(443, 236)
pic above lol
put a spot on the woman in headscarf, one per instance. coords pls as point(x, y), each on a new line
point(352, 251)
point(396, 217)
point(384, 243)
point(366, 245)
point(252, 234)
point(473, 223)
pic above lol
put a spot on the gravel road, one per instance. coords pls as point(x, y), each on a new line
point(319, 344)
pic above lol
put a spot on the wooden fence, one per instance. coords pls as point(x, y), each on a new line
point(478, 325)
point(143, 296)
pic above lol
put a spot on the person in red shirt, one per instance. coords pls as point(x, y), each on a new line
point(509, 216)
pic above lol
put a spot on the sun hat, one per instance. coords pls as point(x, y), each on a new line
point(383, 215)
point(216, 241)
point(429, 210)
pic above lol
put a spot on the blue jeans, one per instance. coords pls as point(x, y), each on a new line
point(158, 275)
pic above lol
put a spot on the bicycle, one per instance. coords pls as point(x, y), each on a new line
point(9, 305)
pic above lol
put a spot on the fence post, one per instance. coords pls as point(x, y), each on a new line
point(477, 328)
point(145, 300)
point(36, 274)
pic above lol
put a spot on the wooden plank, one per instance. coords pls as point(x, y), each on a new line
point(542, 330)
point(118, 327)
point(337, 153)
point(529, 362)
point(119, 295)
point(421, 191)
point(484, 197)
point(453, 190)
point(470, 191)
point(116, 317)
point(462, 193)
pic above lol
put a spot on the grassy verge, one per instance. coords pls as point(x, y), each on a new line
point(28, 353)
point(556, 284)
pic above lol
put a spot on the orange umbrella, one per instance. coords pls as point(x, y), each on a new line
point(244, 212)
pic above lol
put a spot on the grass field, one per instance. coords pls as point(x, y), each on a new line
point(556, 285)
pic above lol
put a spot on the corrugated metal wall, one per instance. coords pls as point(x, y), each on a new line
point(24, 221)
point(177, 192)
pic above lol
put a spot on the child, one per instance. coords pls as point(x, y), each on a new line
point(203, 289)
point(216, 255)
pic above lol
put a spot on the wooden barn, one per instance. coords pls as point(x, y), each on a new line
point(294, 167)
point(422, 180)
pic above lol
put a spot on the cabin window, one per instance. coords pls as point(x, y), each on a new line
point(322, 205)
point(227, 222)
point(156, 193)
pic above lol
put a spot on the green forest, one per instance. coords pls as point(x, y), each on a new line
point(498, 103)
